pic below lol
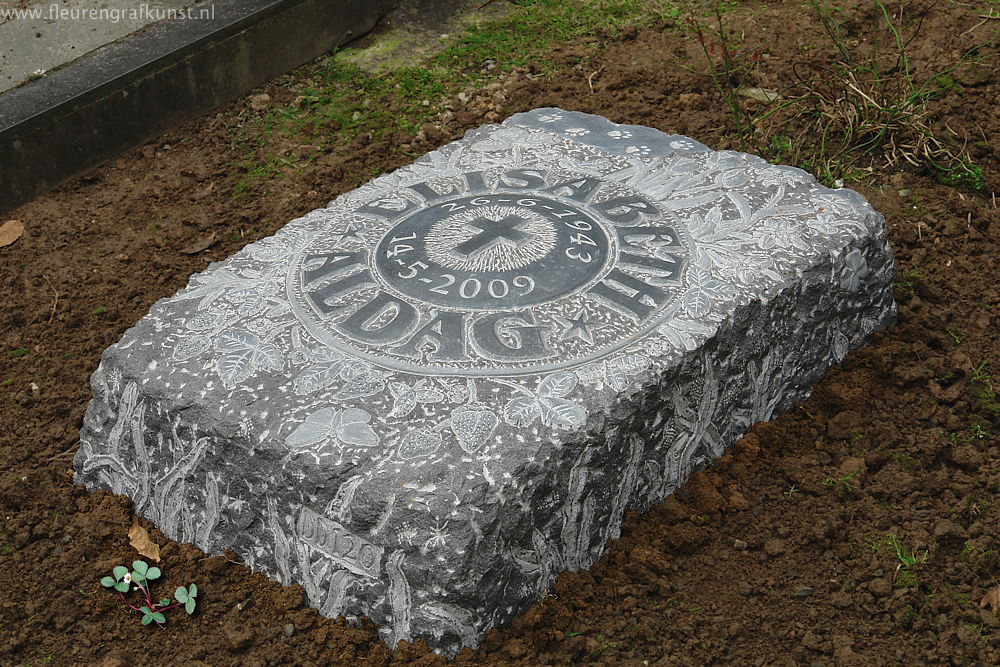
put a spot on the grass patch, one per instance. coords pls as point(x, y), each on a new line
point(341, 101)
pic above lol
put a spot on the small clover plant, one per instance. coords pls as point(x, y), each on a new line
point(139, 578)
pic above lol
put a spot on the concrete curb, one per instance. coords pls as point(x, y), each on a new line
point(136, 88)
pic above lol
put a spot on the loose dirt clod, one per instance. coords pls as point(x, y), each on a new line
point(10, 231)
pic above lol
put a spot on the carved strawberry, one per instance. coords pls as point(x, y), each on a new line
point(419, 442)
point(472, 425)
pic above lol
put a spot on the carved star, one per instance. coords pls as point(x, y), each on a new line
point(352, 234)
point(578, 326)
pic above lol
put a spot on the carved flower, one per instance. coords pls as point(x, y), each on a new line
point(548, 402)
point(855, 268)
point(778, 233)
point(824, 223)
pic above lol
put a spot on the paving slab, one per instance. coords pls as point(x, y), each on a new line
point(43, 35)
point(426, 400)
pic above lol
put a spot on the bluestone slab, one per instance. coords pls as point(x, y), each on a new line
point(426, 400)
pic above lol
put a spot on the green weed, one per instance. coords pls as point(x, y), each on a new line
point(907, 561)
point(843, 482)
point(907, 277)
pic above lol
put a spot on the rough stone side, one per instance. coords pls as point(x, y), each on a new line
point(362, 545)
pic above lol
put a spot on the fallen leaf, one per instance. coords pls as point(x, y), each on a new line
point(203, 244)
point(139, 539)
point(759, 94)
point(10, 231)
point(992, 599)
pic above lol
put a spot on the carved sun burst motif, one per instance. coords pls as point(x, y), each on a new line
point(491, 238)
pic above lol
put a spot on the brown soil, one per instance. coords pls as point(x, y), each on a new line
point(764, 559)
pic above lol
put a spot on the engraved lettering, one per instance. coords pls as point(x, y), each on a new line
point(348, 550)
point(430, 194)
point(628, 237)
point(444, 335)
point(334, 263)
point(626, 209)
point(514, 336)
point(473, 280)
point(636, 301)
point(321, 297)
point(577, 189)
point(383, 320)
point(389, 212)
point(523, 179)
point(666, 267)
point(476, 181)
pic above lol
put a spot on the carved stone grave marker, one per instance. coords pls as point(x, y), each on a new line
point(426, 400)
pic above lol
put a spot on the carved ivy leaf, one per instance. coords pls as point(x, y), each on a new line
point(855, 268)
point(522, 410)
point(243, 355)
point(407, 397)
point(682, 333)
point(557, 385)
point(321, 354)
point(699, 276)
point(719, 290)
point(560, 413)
point(316, 377)
point(591, 373)
point(619, 370)
point(277, 310)
point(696, 302)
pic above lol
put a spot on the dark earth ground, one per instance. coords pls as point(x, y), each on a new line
point(787, 551)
